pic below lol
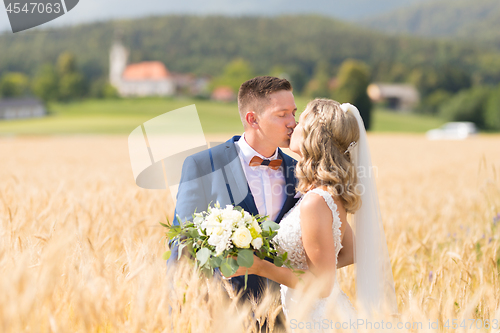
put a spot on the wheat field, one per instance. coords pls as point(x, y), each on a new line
point(81, 246)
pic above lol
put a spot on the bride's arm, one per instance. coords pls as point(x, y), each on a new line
point(315, 219)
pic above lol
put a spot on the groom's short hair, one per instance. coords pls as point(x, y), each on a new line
point(254, 93)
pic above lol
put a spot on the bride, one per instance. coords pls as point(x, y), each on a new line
point(334, 175)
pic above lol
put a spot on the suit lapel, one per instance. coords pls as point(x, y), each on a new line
point(290, 180)
point(236, 179)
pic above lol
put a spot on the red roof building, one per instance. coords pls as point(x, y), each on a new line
point(148, 70)
point(223, 94)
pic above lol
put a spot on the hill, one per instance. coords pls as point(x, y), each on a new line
point(204, 45)
point(445, 18)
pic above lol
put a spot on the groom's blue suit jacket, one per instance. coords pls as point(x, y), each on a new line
point(215, 175)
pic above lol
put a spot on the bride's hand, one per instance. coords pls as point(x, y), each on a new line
point(255, 269)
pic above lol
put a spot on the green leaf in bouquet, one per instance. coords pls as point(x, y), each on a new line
point(245, 258)
point(166, 255)
point(260, 254)
point(261, 218)
point(174, 231)
point(270, 225)
point(238, 208)
point(278, 261)
point(228, 267)
point(203, 232)
point(215, 262)
point(203, 255)
point(168, 225)
point(193, 233)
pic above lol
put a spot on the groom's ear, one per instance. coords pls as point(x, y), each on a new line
point(251, 119)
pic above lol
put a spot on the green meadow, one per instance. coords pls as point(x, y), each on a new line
point(121, 116)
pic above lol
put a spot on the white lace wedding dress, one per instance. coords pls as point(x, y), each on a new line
point(289, 239)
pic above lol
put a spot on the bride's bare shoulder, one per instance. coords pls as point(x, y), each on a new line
point(314, 208)
point(315, 200)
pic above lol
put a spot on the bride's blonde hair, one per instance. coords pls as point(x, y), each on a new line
point(327, 133)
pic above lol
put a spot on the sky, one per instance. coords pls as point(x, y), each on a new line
point(100, 10)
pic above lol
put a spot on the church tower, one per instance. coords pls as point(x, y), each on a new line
point(117, 63)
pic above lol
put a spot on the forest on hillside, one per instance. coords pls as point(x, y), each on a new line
point(467, 20)
point(204, 45)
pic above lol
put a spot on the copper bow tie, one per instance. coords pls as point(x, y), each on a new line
point(256, 161)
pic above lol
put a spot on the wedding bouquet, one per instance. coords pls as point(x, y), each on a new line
point(218, 235)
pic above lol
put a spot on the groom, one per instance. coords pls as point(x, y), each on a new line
point(249, 171)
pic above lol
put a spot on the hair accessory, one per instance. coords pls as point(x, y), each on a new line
point(346, 106)
point(351, 147)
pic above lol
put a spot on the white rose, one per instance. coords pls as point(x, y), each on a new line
point(218, 231)
point(257, 243)
point(242, 238)
point(236, 214)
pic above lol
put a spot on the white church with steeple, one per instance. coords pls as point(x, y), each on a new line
point(148, 78)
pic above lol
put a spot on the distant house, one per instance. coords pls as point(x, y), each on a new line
point(223, 94)
point(16, 108)
point(402, 97)
point(189, 84)
point(149, 78)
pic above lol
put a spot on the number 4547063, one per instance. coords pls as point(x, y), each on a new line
point(34, 7)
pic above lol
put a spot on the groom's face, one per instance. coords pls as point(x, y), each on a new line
point(277, 120)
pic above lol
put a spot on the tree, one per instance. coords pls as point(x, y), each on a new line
point(101, 88)
point(298, 79)
point(446, 78)
point(467, 105)
point(66, 63)
point(71, 86)
point(72, 83)
point(425, 80)
point(352, 83)
point(234, 74)
point(319, 84)
point(46, 83)
point(492, 112)
point(433, 102)
point(453, 79)
point(14, 85)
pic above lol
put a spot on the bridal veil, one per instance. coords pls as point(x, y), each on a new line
point(374, 280)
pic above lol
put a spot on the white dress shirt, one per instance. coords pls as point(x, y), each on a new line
point(267, 185)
